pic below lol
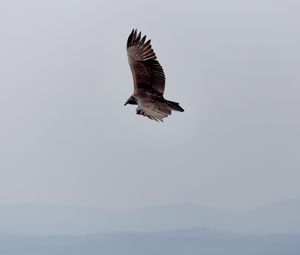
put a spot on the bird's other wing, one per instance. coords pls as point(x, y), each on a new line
point(153, 108)
point(147, 73)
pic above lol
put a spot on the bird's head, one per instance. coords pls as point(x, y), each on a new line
point(130, 100)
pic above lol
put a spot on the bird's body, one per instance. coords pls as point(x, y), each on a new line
point(149, 80)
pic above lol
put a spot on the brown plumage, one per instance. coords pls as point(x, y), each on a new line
point(149, 80)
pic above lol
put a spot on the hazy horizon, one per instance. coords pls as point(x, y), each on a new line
point(149, 206)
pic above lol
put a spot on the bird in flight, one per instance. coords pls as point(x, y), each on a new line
point(149, 80)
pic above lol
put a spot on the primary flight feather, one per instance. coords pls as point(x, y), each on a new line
point(149, 80)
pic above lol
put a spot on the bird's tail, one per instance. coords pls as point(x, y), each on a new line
point(174, 106)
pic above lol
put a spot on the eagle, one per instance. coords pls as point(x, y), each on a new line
point(149, 80)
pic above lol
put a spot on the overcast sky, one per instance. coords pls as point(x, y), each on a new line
point(66, 138)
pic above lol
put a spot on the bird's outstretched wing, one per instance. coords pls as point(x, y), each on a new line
point(153, 108)
point(148, 75)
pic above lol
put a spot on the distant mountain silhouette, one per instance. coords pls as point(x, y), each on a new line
point(63, 220)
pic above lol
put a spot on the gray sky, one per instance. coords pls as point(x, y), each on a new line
point(66, 137)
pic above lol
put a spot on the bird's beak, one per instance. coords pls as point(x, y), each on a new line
point(126, 103)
